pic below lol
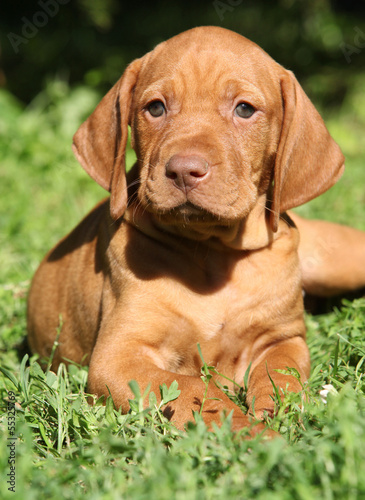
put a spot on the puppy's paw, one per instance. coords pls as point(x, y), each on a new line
point(249, 428)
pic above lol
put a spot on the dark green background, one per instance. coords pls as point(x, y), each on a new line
point(90, 42)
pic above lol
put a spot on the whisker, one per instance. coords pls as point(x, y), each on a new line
point(275, 212)
point(134, 183)
point(131, 199)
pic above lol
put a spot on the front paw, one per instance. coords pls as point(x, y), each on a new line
point(252, 427)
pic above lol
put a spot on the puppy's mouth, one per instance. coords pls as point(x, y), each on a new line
point(188, 214)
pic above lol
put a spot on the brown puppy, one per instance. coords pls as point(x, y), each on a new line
point(195, 247)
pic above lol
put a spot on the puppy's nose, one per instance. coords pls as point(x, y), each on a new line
point(187, 171)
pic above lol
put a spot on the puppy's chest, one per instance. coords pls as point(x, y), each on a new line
point(226, 321)
point(237, 305)
point(169, 303)
point(216, 305)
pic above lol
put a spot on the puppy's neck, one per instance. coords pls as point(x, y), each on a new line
point(250, 233)
point(253, 232)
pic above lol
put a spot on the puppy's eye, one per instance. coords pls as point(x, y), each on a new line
point(156, 108)
point(244, 110)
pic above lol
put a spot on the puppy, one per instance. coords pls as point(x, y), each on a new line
point(194, 245)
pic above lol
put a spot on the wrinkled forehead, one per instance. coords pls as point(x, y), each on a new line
point(207, 59)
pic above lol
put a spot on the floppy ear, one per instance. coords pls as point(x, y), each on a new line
point(308, 161)
point(100, 142)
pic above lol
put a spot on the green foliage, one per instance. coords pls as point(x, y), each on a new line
point(44, 191)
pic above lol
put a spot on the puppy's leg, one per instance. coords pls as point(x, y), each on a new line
point(112, 368)
point(279, 355)
point(332, 257)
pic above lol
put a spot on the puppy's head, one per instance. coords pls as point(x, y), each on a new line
point(217, 126)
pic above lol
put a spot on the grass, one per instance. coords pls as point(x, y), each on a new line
point(66, 448)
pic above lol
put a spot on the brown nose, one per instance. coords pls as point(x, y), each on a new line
point(186, 171)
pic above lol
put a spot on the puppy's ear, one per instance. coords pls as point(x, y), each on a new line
point(100, 142)
point(308, 160)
